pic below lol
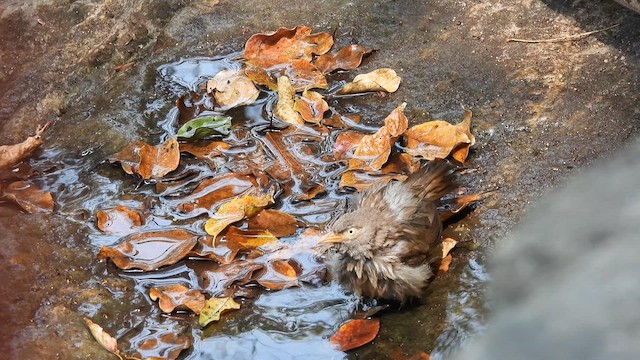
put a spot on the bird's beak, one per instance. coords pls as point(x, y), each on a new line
point(331, 237)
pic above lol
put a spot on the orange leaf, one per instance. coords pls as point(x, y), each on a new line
point(311, 106)
point(345, 144)
point(276, 222)
point(347, 58)
point(150, 251)
point(278, 275)
point(218, 278)
point(160, 342)
point(118, 220)
point(453, 205)
point(236, 210)
point(296, 43)
point(28, 196)
point(212, 192)
point(445, 263)
point(401, 163)
point(437, 139)
point(150, 162)
point(360, 180)
point(338, 121)
point(105, 340)
point(208, 151)
point(301, 73)
point(246, 240)
point(177, 297)
point(13, 154)
point(355, 333)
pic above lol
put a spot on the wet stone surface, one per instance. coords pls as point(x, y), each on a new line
point(541, 112)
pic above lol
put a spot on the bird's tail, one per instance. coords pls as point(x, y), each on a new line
point(433, 181)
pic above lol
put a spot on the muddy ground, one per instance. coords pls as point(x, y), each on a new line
point(542, 112)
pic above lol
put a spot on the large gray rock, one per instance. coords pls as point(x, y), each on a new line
point(631, 4)
point(566, 283)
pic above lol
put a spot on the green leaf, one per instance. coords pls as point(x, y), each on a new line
point(214, 307)
point(203, 127)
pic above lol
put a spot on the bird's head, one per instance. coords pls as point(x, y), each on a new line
point(353, 232)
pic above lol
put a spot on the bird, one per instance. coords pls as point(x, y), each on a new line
point(380, 249)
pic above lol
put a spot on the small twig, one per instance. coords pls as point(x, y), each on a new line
point(564, 38)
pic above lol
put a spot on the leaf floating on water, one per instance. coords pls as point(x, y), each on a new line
point(147, 161)
point(214, 307)
point(168, 345)
point(355, 333)
point(213, 192)
point(347, 58)
point(238, 240)
point(311, 106)
point(377, 80)
point(105, 340)
point(345, 144)
point(118, 220)
point(285, 109)
point(236, 210)
point(179, 297)
point(12, 154)
point(150, 251)
point(231, 88)
point(296, 43)
point(28, 196)
point(208, 151)
point(437, 139)
point(278, 275)
point(276, 222)
point(200, 128)
point(217, 279)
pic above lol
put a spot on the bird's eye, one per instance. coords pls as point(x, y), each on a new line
point(351, 231)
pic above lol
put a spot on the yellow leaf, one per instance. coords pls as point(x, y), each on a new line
point(285, 107)
point(311, 106)
point(214, 307)
point(236, 210)
point(232, 88)
point(378, 80)
point(105, 340)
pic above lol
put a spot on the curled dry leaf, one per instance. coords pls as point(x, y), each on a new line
point(28, 196)
point(276, 222)
point(401, 163)
point(179, 297)
point(347, 58)
point(301, 73)
point(238, 240)
point(361, 180)
point(212, 192)
point(355, 333)
point(236, 210)
point(311, 106)
point(105, 340)
point(147, 161)
point(453, 205)
point(285, 110)
point(150, 251)
point(373, 150)
point(296, 43)
point(118, 220)
point(214, 307)
point(440, 253)
point(208, 151)
point(231, 88)
point(377, 80)
point(437, 139)
point(13, 154)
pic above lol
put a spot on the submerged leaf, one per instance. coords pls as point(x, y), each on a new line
point(147, 161)
point(179, 297)
point(236, 210)
point(285, 110)
point(118, 220)
point(168, 344)
point(437, 139)
point(311, 106)
point(28, 196)
point(214, 307)
point(238, 240)
point(208, 151)
point(231, 88)
point(220, 278)
point(377, 80)
point(355, 333)
point(213, 192)
point(105, 340)
point(278, 275)
point(150, 251)
point(347, 58)
point(200, 128)
point(276, 222)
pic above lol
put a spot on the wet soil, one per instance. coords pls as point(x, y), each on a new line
point(541, 113)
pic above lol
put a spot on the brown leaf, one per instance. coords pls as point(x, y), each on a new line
point(105, 340)
point(338, 121)
point(214, 307)
point(217, 279)
point(445, 263)
point(345, 144)
point(12, 154)
point(211, 193)
point(167, 346)
point(401, 163)
point(360, 180)
point(236, 210)
point(277, 275)
point(296, 43)
point(347, 58)
point(377, 80)
point(284, 109)
point(28, 196)
point(355, 333)
point(373, 150)
point(208, 151)
point(118, 220)
point(276, 222)
point(147, 161)
point(453, 205)
point(311, 106)
point(238, 240)
point(301, 73)
point(150, 251)
point(231, 88)
point(179, 297)
point(437, 139)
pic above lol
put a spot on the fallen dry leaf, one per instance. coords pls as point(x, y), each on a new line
point(373, 150)
point(276, 222)
point(345, 144)
point(28, 196)
point(347, 58)
point(301, 73)
point(278, 274)
point(236, 210)
point(311, 106)
point(361, 180)
point(445, 263)
point(166, 346)
point(377, 80)
point(214, 307)
point(179, 297)
point(209, 151)
point(219, 278)
point(401, 163)
point(211, 193)
point(150, 251)
point(355, 333)
point(118, 220)
point(338, 121)
point(105, 340)
point(437, 139)
point(284, 109)
point(238, 240)
point(451, 206)
point(12, 154)
point(147, 161)
point(231, 88)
